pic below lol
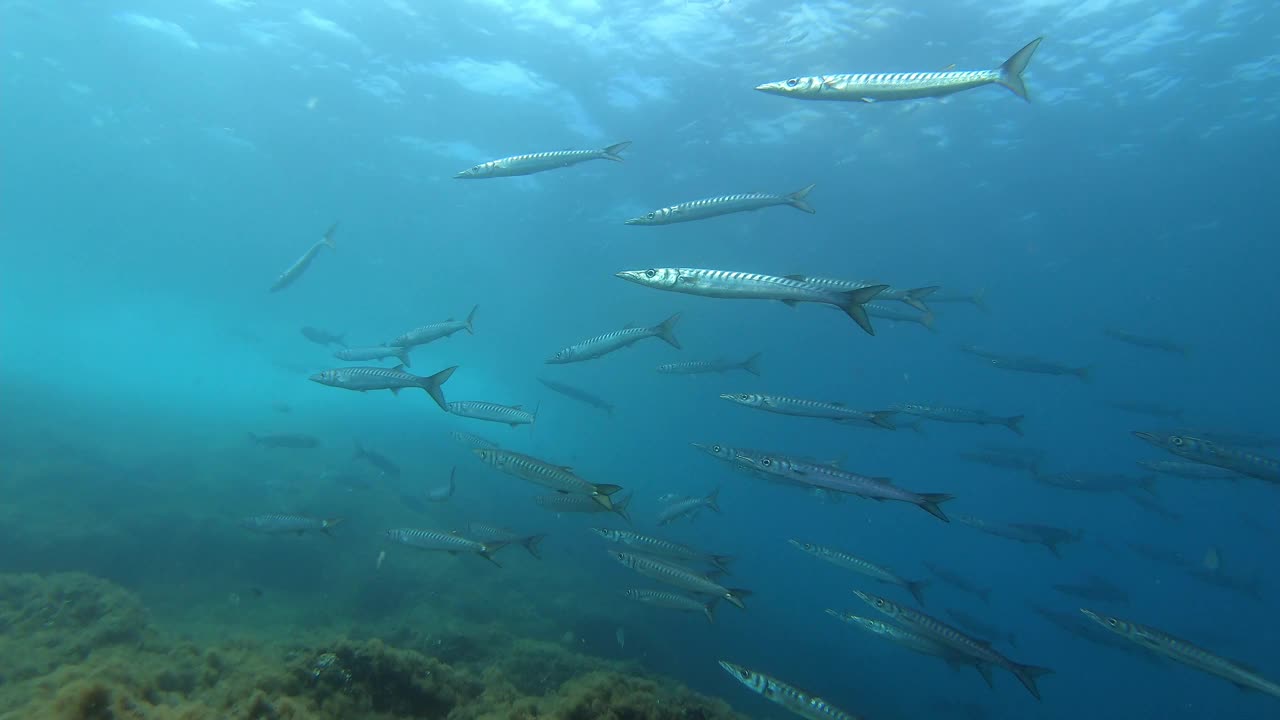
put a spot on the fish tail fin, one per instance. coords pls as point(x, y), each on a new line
point(531, 544)
point(341, 340)
point(851, 301)
point(1085, 373)
point(929, 502)
point(327, 239)
point(712, 500)
point(915, 297)
point(611, 152)
point(1014, 423)
point(736, 596)
point(620, 507)
point(1027, 675)
point(985, 671)
point(752, 364)
point(471, 318)
point(403, 357)
point(602, 493)
point(916, 588)
point(1012, 69)
point(710, 609)
point(884, 419)
point(927, 320)
point(666, 331)
point(453, 484)
point(797, 199)
point(980, 300)
point(433, 383)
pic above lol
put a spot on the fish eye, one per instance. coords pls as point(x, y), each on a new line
point(715, 448)
point(1177, 441)
point(808, 546)
point(651, 215)
point(1112, 622)
point(744, 396)
point(879, 603)
point(792, 82)
point(650, 272)
point(766, 462)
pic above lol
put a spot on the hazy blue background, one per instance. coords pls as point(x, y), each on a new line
point(164, 161)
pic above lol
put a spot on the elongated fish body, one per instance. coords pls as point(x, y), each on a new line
point(1232, 439)
point(284, 523)
point(1097, 482)
point(568, 503)
point(1190, 469)
point(1177, 649)
point(602, 345)
point(1150, 343)
point(650, 545)
point(843, 481)
point(513, 415)
point(540, 162)
point(323, 337)
point(1147, 408)
point(984, 631)
point(1028, 364)
point(914, 641)
point(292, 441)
point(861, 566)
point(1032, 534)
point(674, 601)
point(495, 534)
point(893, 314)
point(1210, 453)
point(424, 334)
point(442, 541)
point(1000, 459)
point(383, 463)
point(299, 266)
point(699, 367)
point(731, 284)
point(791, 698)
point(557, 477)
point(960, 582)
point(471, 440)
point(377, 352)
point(977, 298)
point(364, 379)
point(936, 629)
point(688, 506)
point(884, 87)
point(679, 576)
point(959, 415)
point(579, 394)
point(913, 297)
point(813, 408)
point(723, 205)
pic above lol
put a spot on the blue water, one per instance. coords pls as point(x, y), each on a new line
point(163, 162)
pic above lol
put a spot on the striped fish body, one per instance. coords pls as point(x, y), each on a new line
point(377, 352)
point(540, 162)
point(850, 562)
point(363, 379)
point(283, 523)
point(570, 504)
point(490, 534)
point(812, 408)
point(699, 367)
point(601, 345)
point(674, 601)
point(1188, 469)
point(540, 472)
point(424, 334)
point(295, 271)
point(913, 297)
point(649, 545)
point(722, 205)
point(678, 576)
point(791, 698)
point(959, 415)
point(687, 507)
point(843, 481)
point(1211, 453)
point(900, 636)
point(435, 540)
point(471, 440)
point(512, 415)
point(893, 314)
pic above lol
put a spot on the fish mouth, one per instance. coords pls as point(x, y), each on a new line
point(773, 87)
point(632, 275)
point(864, 596)
point(316, 377)
point(633, 221)
point(700, 446)
point(1092, 616)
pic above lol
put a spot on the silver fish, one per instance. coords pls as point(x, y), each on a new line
point(843, 481)
point(698, 367)
point(1030, 533)
point(449, 542)
point(282, 523)
point(602, 345)
point(913, 297)
point(723, 205)
point(443, 494)
point(789, 697)
point(688, 506)
point(471, 440)
point(294, 271)
point(424, 334)
point(363, 379)
point(959, 415)
point(680, 576)
point(557, 477)
point(753, 286)
point(1189, 469)
point(580, 395)
point(650, 545)
point(324, 337)
point(561, 503)
point(893, 314)
point(1029, 364)
point(977, 298)
point(863, 567)
point(675, 601)
point(1150, 343)
point(491, 533)
point(540, 162)
point(513, 415)
point(798, 407)
point(383, 463)
point(914, 641)
point(882, 87)
point(1211, 453)
point(377, 352)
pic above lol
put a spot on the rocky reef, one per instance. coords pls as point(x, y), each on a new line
point(73, 647)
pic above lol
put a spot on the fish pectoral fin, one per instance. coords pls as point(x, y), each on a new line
point(394, 391)
point(789, 303)
point(867, 100)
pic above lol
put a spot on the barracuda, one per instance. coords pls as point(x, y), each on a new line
point(602, 345)
point(882, 87)
point(813, 408)
point(363, 379)
point(843, 481)
point(893, 314)
point(681, 577)
point(377, 352)
point(698, 367)
point(295, 271)
point(959, 415)
point(582, 504)
point(582, 396)
point(540, 162)
point(513, 415)
point(540, 472)
point(791, 698)
point(1211, 453)
point(650, 545)
point(675, 601)
point(443, 541)
point(915, 642)
point(913, 297)
point(427, 333)
point(723, 205)
point(730, 284)
point(862, 567)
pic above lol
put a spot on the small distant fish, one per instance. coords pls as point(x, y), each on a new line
point(789, 697)
point(491, 533)
point(681, 509)
point(1024, 460)
point(471, 440)
point(959, 415)
point(675, 601)
point(540, 162)
point(883, 87)
point(1210, 453)
point(698, 367)
point(424, 334)
point(1029, 364)
point(1188, 469)
point(863, 567)
point(376, 352)
point(1150, 343)
point(602, 345)
point(959, 582)
point(730, 284)
point(324, 337)
point(799, 407)
point(1098, 482)
point(283, 523)
point(1033, 534)
point(680, 577)
point(1095, 589)
point(1146, 408)
point(884, 312)
point(981, 628)
point(723, 205)
point(449, 542)
point(363, 379)
point(977, 298)
point(560, 503)
point(295, 271)
point(580, 395)
point(513, 415)
point(649, 545)
point(1179, 650)
point(284, 440)
point(621, 636)
point(376, 459)
point(444, 493)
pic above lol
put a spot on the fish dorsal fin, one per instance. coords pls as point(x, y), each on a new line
point(565, 468)
point(516, 407)
point(400, 368)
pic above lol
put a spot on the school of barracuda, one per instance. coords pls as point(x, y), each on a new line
point(690, 579)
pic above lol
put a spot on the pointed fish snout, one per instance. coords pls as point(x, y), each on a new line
point(1149, 437)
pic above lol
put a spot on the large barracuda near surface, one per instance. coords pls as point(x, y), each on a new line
point(753, 286)
point(540, 162)
point(723, 205)
point(882, 87)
